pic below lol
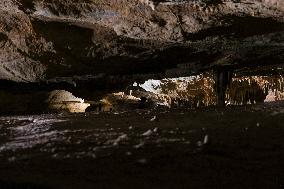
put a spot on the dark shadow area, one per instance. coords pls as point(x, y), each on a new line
point(240, 27)
point(27, 4)
point(3, 37)
point(16, 185)
point(69, 41)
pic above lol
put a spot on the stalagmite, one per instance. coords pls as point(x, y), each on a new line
point(61, 100)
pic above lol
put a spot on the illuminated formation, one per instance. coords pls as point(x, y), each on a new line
point(255, 89)
point(61, 100)
point(194, 91)
point(200, 90)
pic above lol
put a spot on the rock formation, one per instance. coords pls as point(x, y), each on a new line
point(61, 100)
point(85, 45)
point(55, 40)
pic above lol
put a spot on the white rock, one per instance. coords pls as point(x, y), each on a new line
point(206, 139)
point(148, 133)
point(119, 139)
point(153, 118)
point(139, 145)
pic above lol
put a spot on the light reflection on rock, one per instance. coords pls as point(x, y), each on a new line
point(47, 135)
point(198, 91)
point(61, 100)
point(27, 132)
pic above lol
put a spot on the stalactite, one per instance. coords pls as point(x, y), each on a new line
point(254, 89)
point(195, 92)
point(199, 90)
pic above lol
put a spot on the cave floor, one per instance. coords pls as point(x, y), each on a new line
point(145, 149)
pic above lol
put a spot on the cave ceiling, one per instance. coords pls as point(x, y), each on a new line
point(82, 40)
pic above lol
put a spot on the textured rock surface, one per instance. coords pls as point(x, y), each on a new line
point(55, 40)
point(60, 100)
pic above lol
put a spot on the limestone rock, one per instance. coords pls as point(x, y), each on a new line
point(61, 100)
point(45, 39)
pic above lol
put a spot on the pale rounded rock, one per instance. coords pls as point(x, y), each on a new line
point(61, 100)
